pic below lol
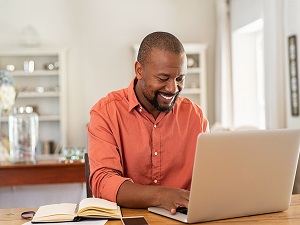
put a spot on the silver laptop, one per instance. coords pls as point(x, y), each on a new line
point(241, 173)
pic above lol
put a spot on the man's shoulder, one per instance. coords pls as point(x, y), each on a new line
point(185, 104)
point(112, 98)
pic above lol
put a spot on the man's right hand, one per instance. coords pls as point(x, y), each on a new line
point(133, 195)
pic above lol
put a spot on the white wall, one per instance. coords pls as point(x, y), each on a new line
point(292, 27)
point(99, 34)
point(244, 12)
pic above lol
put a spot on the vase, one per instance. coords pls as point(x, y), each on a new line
point(23, 135)
point(4, 155)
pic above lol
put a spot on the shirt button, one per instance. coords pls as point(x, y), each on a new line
point(155, 181)
point(155, 153)
point(140, 109)
point(154, 125)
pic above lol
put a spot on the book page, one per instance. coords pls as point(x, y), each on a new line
point(98, 208)
point(64, 211)
point(97, 203)
point(100, 213)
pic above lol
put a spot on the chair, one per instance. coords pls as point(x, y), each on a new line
point(89, 193)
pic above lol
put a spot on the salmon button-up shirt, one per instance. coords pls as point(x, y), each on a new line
point(127, 143)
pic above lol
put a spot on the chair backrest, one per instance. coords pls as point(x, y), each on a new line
point(87, 175)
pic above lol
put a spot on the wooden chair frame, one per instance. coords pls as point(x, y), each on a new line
point(89, 193)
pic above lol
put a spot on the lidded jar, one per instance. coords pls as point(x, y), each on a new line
point(23, 134)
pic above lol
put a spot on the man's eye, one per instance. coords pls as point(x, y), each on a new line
point(179, 79)
point(163, 79)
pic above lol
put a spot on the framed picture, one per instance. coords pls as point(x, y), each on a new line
point(293, 74)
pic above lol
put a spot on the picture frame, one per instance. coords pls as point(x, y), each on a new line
point(293, 75)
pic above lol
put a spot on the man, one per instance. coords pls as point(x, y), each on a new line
point(142, 139)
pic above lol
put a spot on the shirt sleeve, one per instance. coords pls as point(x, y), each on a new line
point(205, 125)
point(106, 167)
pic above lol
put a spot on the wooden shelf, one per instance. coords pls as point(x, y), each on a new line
point(42, 118)
point(21, 73)
point(41, 173)
point(193, 70)
point(37, 94)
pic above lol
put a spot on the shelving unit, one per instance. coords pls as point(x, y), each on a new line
point(42, 88)
point(195, 83)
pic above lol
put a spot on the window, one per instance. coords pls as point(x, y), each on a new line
point(248, 76)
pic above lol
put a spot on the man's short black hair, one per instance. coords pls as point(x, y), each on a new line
point(158, 40)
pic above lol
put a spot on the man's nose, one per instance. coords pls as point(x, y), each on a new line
point(172, 86)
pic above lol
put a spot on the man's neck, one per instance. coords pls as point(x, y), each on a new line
point(139, 95)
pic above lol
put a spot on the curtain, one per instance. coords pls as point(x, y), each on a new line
point(223, 78)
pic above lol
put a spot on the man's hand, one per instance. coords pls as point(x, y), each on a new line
point(133, 195)
point(172, 198)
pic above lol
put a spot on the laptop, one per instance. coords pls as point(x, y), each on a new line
point(240, 173)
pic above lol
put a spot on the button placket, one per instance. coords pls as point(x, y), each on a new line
point(156, 161)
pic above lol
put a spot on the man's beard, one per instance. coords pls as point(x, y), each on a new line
point(155, 104)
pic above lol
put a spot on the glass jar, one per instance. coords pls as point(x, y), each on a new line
point(23, 134)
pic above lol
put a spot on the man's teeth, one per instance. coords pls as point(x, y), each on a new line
point(166, 97)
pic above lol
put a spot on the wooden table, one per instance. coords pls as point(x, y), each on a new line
point(49, 172)
point(291, 217)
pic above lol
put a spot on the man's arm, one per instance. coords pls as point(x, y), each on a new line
point(134, 195)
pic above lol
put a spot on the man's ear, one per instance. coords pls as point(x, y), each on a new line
point(138, 70)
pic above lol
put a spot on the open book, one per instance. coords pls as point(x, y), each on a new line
point(87, 208)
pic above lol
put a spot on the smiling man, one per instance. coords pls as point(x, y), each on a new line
point(160, 77)
point(142, 139)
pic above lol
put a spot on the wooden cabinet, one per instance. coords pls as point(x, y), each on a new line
point(195, 84)
point(40, 79)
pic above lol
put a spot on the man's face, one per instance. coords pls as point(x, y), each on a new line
point(161, 80)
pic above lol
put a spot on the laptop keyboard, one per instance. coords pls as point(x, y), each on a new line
point(182, 210)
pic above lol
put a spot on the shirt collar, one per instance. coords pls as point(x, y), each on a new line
point(134, 102)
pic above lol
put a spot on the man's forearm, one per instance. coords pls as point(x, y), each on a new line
point(132, 195)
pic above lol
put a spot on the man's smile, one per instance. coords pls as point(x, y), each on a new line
point(166, 97)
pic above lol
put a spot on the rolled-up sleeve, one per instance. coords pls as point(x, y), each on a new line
point(106, 167)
